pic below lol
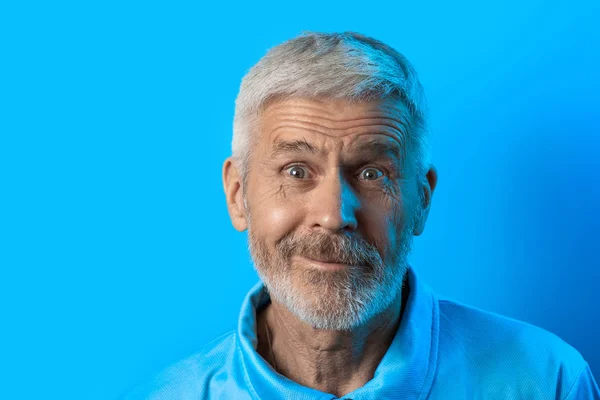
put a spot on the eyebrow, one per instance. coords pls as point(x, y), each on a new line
point(378, 148)
point(371, 148)
point(294, 147)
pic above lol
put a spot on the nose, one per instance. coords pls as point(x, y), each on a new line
point(334, 204)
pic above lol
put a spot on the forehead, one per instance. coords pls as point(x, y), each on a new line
point(334, 120)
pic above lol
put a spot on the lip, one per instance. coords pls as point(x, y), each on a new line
point(326, 266)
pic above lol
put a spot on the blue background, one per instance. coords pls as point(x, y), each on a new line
point(117, 254)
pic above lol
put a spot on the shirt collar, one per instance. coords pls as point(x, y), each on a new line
point(406, 370)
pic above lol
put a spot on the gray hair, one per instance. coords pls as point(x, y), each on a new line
point(331, 65)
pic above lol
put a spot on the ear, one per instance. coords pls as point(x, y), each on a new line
point(232, 184)
point(426, 188)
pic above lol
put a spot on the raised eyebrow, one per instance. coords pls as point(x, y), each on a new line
point(293, 146)
point(377, 147)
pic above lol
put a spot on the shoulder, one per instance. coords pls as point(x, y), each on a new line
point(189, 378)
point(485, 331)
point(495, 348)
point(472, 325)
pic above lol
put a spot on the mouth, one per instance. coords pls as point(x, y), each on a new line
point(325, 265)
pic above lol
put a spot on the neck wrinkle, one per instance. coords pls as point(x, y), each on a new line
point(336, 362)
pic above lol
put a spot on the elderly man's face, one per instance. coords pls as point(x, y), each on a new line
point(331, 205)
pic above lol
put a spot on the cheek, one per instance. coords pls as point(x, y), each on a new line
point(273, 218)
point(385, 218)
point(402, 201)
point(276, 218)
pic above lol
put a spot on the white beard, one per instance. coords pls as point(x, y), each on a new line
point(333, 300)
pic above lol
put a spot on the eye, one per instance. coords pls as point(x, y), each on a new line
point(370, 174)
point(297, 171)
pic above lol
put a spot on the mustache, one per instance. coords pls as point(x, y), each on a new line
point(343, 249)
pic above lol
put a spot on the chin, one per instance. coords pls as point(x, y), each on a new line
point(331, 300)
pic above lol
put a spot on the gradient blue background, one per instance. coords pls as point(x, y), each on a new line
point(117, 255)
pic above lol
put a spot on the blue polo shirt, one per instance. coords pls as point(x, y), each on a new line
point(442, 350)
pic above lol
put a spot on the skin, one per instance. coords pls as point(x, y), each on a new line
point(352, 178)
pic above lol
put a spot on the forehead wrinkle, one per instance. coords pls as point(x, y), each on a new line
point(397, 112)
point(359, 140)
point(277, 107)
point(378, 119)
point(354, 142)
point(278, 131)
point(309, 124)
point(314, 118)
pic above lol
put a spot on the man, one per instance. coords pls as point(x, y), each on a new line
point(330, 176)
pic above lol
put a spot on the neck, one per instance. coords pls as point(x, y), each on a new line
point(335, 362)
